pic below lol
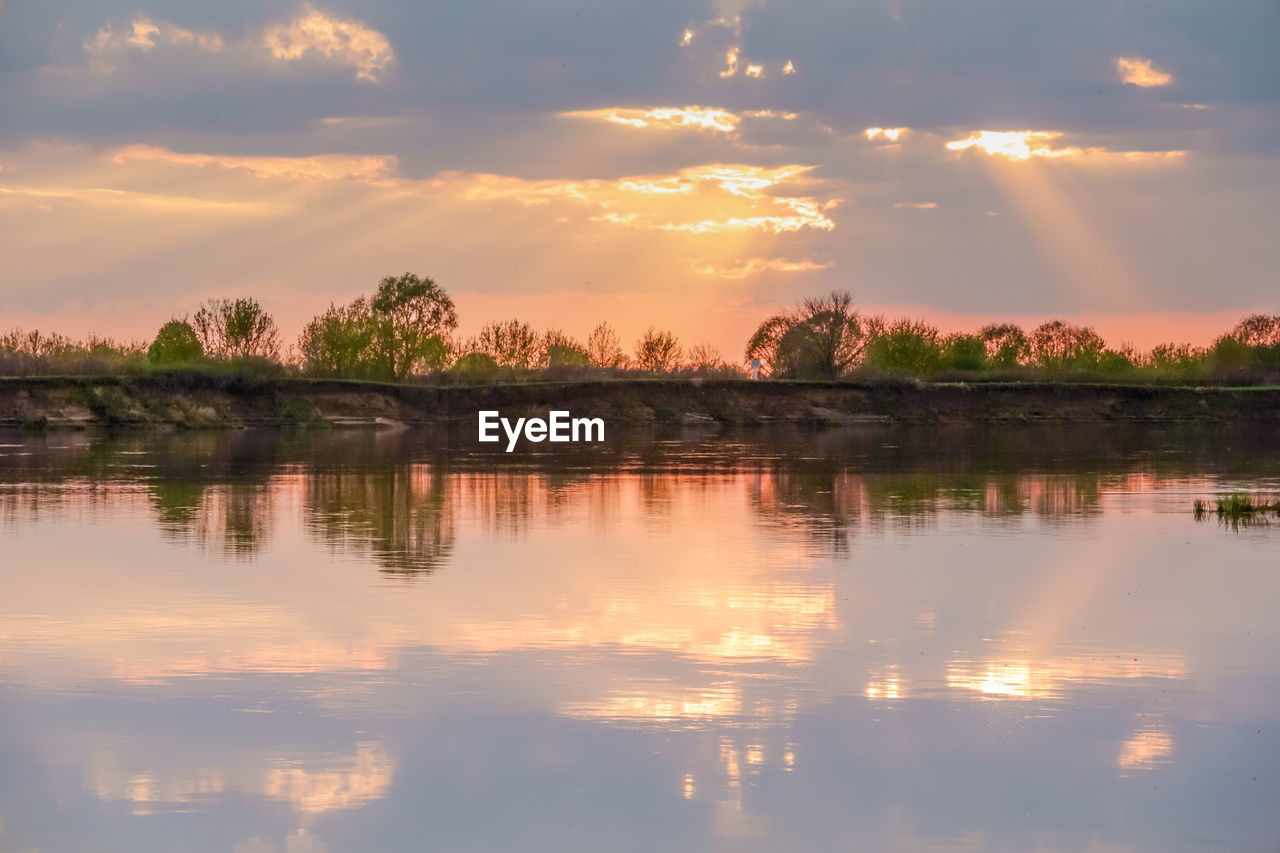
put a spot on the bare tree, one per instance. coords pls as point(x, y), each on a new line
point(513, 343)
point(603, 347)
point(705, 357)
point(658, 351)
point(1258, 330)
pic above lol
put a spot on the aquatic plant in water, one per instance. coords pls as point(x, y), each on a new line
point(1237, 509)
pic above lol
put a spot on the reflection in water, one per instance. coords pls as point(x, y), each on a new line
point(400, 515)
point(1147, 749)
point(349, 784)
point(784, 644)
point(1049, 678)
point(310, 785)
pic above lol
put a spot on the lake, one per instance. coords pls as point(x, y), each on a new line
point(865, 638)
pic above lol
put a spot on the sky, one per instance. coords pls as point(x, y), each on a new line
point(687, 165)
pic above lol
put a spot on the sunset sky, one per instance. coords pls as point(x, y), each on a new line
point(690, 165)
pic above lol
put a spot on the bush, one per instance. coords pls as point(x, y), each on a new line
point(907, 347)
point(176, 344)
point(964, 352)
point(476, 365)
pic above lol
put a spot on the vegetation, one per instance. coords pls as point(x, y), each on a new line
point(406, 328)
point(604, 349)
point(1238, 509)
point(176, 345)
point(658, 352)
point(412, 318)
point(236, 328)
point(824, 337)
point(402, 329)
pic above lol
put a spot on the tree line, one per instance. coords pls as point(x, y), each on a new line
point(407, 328)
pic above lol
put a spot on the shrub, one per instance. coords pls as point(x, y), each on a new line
point(176, 344)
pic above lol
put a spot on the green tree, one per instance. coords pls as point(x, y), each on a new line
point(1118, 361)
point(964, 352)
point(339, 342)
point(822, 337)
point(604, 349)
point(1231, 354)
point(412, 319)
point(176, 343)
point(906, 347)
point(1178, 359)
point(476, 364)
point(658, 351)
point(236, 328)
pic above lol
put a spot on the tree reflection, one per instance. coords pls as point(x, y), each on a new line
point(830, 499)
point(399, 496)
point(401, 514)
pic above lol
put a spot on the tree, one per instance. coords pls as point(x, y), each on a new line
point(1006, 344)
point(1258, 330)
point(561, 350)
point(412, 317)
point(339, 341)
point(705, 357)
point(176, 343)
point(513, 343)
point(603, 347)
point(1179, 358)
point(964, 352)
point(1057, 344)
point(822, 337)
point(475, 364)
point(1117, 361)
point(658, 351)
point(907, 347)
point(236, 328)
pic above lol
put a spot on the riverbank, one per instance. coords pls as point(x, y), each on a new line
point(197, 401)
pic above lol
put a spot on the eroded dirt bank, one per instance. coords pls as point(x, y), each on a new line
point(199, 401)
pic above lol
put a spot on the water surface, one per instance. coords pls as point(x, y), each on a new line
point(870, 639)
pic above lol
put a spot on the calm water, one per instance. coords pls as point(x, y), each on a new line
point(850, 640)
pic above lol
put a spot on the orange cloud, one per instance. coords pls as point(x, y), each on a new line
point(886, 134)
point(1025, 144)
point(759, 265)
point(342, 40)
point(324, 167)
point(731, 62)
point(712, 198)
point(107, 197)
point(663, 118)
point(1136, 71)
point(142, 35)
